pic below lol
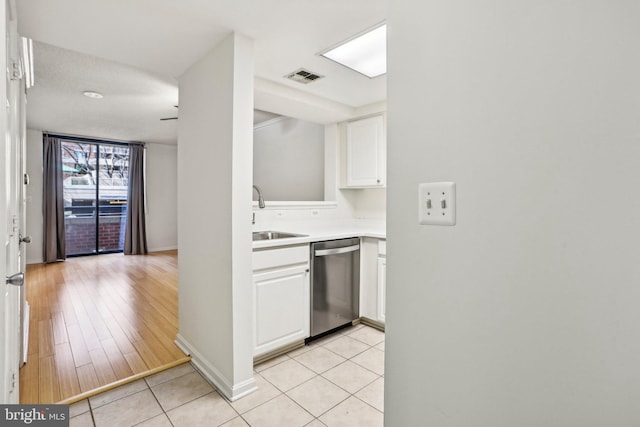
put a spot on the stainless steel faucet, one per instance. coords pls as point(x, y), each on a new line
point(260, 199)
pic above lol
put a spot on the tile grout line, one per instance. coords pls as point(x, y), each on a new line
point(349, 358)
point(114, 400)
point(318, 417)
point(93, 420)
point(276, 364)
point(159, 404)
point(369, 347)
point(148, 387)
point(357, 391)
point(214, 390)
point(366, 403)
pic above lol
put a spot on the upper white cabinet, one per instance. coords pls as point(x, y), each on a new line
point(365, 153)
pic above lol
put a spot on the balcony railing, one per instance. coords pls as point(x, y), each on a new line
point(86, 208)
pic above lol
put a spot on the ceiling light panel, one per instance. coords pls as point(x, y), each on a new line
point(365, 53)
point(92, 94)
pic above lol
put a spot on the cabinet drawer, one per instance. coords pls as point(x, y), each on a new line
point(382, 247)
point(279, 257)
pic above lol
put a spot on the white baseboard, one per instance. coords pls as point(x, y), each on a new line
point(159, 249)
point(229, 390)
point(163, 248)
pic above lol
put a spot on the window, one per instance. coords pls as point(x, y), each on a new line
point(95, 187)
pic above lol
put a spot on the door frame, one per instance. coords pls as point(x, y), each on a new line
point(11, 190)
point(5, 385)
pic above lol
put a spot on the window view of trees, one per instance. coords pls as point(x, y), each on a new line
point(80, 160)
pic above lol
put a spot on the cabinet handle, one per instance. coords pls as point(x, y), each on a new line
point(378, 181)
point(336, 251)
point(307, 270)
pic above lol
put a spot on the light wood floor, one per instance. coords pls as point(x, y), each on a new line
point(97, 320)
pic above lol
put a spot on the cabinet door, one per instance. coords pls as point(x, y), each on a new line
point(282, 308)
point(382, 288)
point(365, 153)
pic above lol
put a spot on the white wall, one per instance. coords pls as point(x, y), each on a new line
point(162, 196)
point(161, 183)
point(369, 203)
point(215, 154)
point(34, 197)
point(526, 312)
point(338, 206)
point(288, 160)
point(348, 204)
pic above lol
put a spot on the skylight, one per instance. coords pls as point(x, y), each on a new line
point(365, 53)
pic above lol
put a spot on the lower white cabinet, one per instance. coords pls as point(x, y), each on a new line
point(382, 279)
point(373, 279)
point(281, 297)
point(382, 287)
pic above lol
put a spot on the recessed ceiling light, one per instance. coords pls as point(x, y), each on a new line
point(92, 94)
point(365, 53)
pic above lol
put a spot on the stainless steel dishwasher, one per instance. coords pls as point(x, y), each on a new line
point(335, 285)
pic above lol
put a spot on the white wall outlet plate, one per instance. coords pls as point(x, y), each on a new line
point(437, 203)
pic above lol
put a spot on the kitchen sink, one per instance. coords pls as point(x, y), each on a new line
point(271, 235)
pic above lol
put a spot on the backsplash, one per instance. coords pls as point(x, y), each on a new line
point(363, 204)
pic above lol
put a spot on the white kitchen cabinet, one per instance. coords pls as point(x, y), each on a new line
point(373, 279)
point(382, 280)
point(281, 297)
point(366, 153)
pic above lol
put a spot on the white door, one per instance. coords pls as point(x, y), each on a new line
point(26, 53)
point(10, 196)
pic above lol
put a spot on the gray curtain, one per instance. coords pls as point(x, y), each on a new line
point(54, 234)
point(135, 235)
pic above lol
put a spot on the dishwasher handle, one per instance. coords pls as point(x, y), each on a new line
point(336, 251)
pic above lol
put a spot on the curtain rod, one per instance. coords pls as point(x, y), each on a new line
point(91, 139)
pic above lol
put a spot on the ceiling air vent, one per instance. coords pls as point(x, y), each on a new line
point(303, 76)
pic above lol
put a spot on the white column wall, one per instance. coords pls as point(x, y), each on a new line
point(214, 214)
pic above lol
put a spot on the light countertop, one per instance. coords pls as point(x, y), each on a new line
point(320, 232)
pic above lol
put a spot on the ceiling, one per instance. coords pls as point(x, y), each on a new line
point(134, 52)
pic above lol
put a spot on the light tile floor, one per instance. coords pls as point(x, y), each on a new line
point(336, 381)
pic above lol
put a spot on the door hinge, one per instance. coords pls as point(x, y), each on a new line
point(13, 382)
point(14, 228)
point(16, 70)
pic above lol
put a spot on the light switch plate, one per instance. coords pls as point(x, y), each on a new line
point(437, 203)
